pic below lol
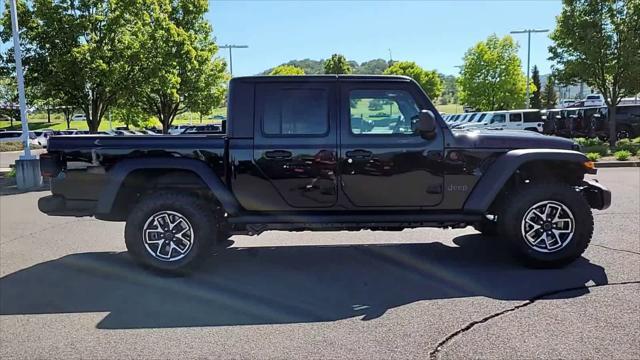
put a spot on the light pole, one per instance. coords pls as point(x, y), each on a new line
point(230, 55)
point(528, 32)
point(20, 78)
point(27, 166)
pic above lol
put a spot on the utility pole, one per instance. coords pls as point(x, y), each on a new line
point(528, 32)
point(230, 54)
point(390, 57)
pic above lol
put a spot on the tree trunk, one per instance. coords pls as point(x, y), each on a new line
point(612, 126)
point(48, 115)
point(93, 121)
point(200, 118)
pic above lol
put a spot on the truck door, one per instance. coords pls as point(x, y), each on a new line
point(515, 121)
point(383, 162)
point(295, 144)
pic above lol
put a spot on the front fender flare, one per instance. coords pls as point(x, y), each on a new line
point(117, 174)
point(494, 179)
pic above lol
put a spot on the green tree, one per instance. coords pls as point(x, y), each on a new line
point(179, 70)
point(598, 42)
point(549, 96)
point(372, 67)
point(491, 77)
point(286, 70)
point(535, 101)
point(77, 52)
point(429, 80)
point(337, 64)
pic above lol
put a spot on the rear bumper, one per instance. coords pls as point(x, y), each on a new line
point(57, 205)
point(598, 196)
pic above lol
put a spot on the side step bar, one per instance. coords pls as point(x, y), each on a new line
point(307, 218)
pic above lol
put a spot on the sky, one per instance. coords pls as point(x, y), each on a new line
point(434, 34)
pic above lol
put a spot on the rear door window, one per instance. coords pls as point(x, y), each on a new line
point(515, 117)
point(295, 111)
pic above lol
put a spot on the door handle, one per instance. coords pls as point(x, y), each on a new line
point(278, 154)
point(358, 154)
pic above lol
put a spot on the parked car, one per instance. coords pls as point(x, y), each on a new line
point(291, 161)
point(204, 129)
point(16, 136)
point(178, 129)
point(594, 100)
point(565, 103)
point(42, 136)
point(628, 121)
point(78, 117)
point(478, 122)
point(10, 136)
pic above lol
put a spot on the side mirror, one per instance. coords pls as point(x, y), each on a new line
point(425, 125)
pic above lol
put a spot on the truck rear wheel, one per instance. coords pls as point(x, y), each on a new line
point(547, 225)
point(170, 231)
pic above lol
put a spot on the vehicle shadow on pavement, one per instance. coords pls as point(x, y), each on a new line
point(279, 285)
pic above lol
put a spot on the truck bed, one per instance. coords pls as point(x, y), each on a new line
point(101, 150)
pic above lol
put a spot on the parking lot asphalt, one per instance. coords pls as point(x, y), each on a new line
point(68, 289)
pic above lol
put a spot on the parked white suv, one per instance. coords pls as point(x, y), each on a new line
point(594, 100)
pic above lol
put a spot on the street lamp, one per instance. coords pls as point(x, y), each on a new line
point(528, 32)
point(27, 166)
point(230, 56)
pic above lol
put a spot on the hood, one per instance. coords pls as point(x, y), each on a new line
point(509, 139)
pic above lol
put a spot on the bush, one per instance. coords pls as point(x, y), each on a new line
point(636, 140)
point(588, 142)
point(593, 156)
point(15, 146)
point(622, 155)
point(602, 149)
point(628, 145)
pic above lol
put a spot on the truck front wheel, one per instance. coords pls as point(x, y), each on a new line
point(547, 225)
point(170, 231)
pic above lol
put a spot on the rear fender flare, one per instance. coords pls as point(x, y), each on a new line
point(494, 179)
point(118, 173)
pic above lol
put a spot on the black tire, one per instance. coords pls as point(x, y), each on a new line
point(512, 225)
point(200, 233)
point(624, 132)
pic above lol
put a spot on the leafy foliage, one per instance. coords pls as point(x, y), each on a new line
point(491, 77)
point(535, 101)
point(597, 42)
point(287, 70)
point(371, 67)
point(628, 145)
point(337, 64)
point(593, 156)
point(622, 155)
point(429, 80)
point(180, 70)
point(549, 96)
point(77, 51)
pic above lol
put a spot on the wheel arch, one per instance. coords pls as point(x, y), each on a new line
point(163, 172)
point(543, 164)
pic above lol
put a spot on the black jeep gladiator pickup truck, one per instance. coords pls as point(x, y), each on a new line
point(327, 153)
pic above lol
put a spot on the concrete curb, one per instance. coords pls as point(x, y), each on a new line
point(617, 164)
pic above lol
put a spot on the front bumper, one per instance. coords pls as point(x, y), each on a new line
point(597, 195)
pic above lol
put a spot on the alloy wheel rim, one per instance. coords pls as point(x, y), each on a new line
point(167, 236)
point(548, 226)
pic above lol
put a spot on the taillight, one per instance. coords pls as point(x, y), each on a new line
point(51, 164)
